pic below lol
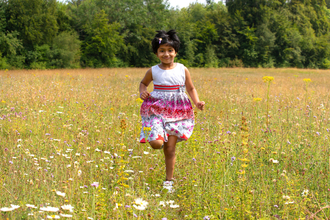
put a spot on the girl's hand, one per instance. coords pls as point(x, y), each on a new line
point(200, 105)
point(144, 95)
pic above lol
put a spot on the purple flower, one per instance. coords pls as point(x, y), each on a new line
point(276, 206)
point(6, 149)
point(288, 142)
point(318, 133)
point(127, 206)
point(233, 159)
point(228, 132)
point(95, 184)
point(47, 134)
point(206, 218)
point(11, 162)
point(164, 218)
point(85, 186)
point(194, 159)
point(135, 215)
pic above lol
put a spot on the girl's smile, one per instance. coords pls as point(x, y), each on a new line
point(166, 54)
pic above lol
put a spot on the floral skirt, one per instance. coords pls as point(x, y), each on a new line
point(166, 113)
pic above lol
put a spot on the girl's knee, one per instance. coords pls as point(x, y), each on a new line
point(169, 151)
point(156, 144)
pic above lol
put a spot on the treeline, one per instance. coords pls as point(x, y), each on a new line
point(46, 34)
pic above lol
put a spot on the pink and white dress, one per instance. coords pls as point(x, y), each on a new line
point(168, 111)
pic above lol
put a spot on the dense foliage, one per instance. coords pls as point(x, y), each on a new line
point(46, 34)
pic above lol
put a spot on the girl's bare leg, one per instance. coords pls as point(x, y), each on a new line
point(156, 144)
point(169, 151)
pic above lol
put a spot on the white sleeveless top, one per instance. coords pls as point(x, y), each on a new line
point(175, 76)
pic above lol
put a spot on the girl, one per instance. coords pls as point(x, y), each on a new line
point(167, 110)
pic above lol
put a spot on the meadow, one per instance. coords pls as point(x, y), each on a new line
point(69, 147)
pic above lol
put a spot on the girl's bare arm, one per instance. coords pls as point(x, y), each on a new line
point(192, 91)
point(144, 94)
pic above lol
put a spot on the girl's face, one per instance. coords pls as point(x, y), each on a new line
point(166, 54)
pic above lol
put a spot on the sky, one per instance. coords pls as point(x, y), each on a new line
point(185, 3)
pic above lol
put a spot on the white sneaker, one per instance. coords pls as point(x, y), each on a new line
point(169, 186)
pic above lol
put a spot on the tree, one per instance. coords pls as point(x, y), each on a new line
point(102, 43)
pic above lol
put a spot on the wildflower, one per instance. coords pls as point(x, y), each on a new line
point(129, 171)
point(13, 207)
point(241, 172)
point(140, 204)
point(267, 79)
point(67, 207)
point(289, 202)
point(257, 99)
point(146, 152)
point(162, 203)
point(244, 160)
point(53, 216)
point(60, 193)
point(275, 161)
point(206, 217)
point(31, 206)
point(174, 206)
point(286, 197)
point(305, 192)
point(95, 184)
point(79, 172)
point(307, 80)
point(139, 100)
point(49, 209)
point(66, 215)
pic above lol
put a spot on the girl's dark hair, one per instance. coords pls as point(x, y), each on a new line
point(170, 38)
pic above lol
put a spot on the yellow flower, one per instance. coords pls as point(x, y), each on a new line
point(241, 172)
point(257, 99)
point(126, 76)
point(244, 160)
point(244, 165)
point(307, 80)
point(267, 79)
point(139, 100)
point(3, 101)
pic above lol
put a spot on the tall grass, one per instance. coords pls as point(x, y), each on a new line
point(70, 137)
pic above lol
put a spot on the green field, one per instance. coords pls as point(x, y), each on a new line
point(70, 149)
